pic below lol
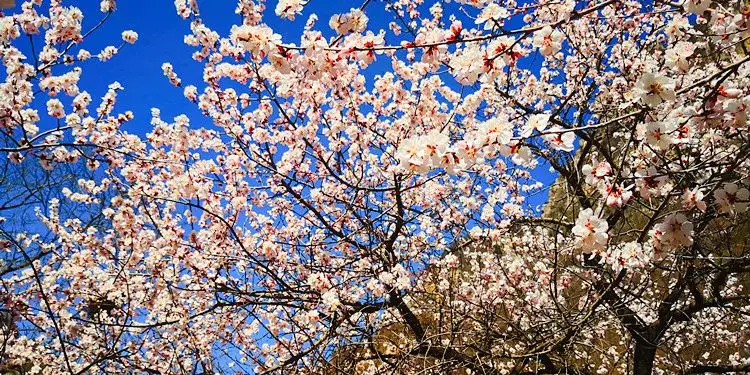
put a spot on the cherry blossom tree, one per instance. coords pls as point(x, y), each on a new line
point(470, 187)
point(47, 152)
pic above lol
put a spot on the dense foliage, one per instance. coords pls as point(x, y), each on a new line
point(369, 197)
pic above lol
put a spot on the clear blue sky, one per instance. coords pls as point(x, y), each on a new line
point(161, 31)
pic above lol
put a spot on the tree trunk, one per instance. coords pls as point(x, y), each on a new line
point(643, 358)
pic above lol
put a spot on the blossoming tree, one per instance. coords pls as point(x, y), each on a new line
point(366, 198)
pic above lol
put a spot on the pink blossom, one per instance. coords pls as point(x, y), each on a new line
point(129, 36)
point(652, 89)
point(731, 197)
point(548, 40)
point(675, 231)
point(590, 231)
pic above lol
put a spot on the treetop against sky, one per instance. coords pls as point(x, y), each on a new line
point(400, 186)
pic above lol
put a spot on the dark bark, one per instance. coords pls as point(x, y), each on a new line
point(643, 358)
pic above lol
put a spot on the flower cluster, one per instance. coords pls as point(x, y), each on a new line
point(732, 198)
point(354, 21)
point(590, 231)
point(675, 231)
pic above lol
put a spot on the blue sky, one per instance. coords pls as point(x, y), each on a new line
point(161, 31)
